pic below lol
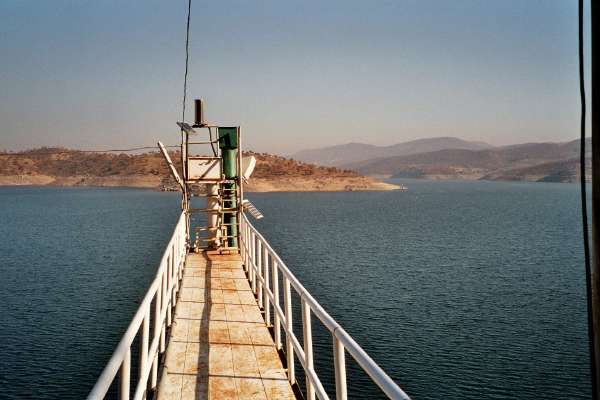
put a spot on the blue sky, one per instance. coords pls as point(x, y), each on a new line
point(294, 75)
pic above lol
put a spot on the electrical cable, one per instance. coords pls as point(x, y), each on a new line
point(29, 153)
point(584, 213)
point(187, 57)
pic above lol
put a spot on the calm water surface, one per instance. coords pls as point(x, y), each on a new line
point(460, 290)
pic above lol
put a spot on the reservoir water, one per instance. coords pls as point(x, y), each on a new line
point(459, 290)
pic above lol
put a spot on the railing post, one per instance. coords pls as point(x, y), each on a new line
point(248, 250)
point(168, 285)
point(175, 271)
point(182, 255)
point(125, 374)
point(308, 348)
point(252, 271)
point(339, 362)
point(245, 247)
point(277, 320)
point(163, 301)
point(177, 256)
point(266, 299)
point(243, 243)
point(156, 332)
point(241, 238)
point(178, 259)
point(287, 299)
point(144, 346)
point(259, 267)
point(174, 280)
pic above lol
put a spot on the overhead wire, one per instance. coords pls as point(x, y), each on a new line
point(584, 213)
point(187, 58)
point(29, 153)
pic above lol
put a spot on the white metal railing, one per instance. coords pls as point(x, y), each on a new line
point(256, 253)
point(163, 291)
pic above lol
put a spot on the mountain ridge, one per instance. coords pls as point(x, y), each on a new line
point(499, 163)
point(339, 155)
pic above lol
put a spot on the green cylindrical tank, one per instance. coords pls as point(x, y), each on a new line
point(230, 163)
point(229, 150)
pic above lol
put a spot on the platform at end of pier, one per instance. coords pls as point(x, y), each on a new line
point(219, 346)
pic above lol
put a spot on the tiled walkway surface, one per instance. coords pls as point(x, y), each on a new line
point(220, 347)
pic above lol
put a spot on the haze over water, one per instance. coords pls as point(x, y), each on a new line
point(76, 74)
point(460, 290)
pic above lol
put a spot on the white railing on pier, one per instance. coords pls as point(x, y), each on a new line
point(156, 307)
point(264, 280)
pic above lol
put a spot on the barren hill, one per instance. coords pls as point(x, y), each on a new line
point(64, 167)
point(530, 161)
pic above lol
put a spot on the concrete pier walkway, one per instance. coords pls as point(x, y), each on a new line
point(220, 347)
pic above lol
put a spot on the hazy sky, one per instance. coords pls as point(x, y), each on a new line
point(294, 75)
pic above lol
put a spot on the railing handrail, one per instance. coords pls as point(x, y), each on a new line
point(379, 377)
point(163, 285)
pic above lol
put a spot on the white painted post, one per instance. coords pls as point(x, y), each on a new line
point(339, 361)
point(287, 299)
point(144, 346)
point(266, 299)
point(154, 380)
point(154, 373)
point(241, 243)
point(259, 268)
point(125, 370)
point(163, 299)
point(175, 274)
point(182, 260)
point(252, 271)
point(174, 268)
point(245, 246)
point(180, 245)
point(168, 284)
point(249, 250)
point(277, 320)
point(212, 203)
point(308, 348)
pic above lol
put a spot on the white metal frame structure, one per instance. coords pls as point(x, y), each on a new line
point(264, 281)
point(163, 292)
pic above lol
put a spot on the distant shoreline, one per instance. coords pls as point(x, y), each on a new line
point(491, 178)
point(258, 185)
